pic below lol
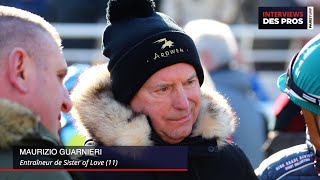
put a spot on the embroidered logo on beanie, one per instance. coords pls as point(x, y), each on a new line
point(166, 43)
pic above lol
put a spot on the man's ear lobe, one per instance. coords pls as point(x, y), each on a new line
point(17, 64)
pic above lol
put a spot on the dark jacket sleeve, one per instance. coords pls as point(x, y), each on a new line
point(244, 163)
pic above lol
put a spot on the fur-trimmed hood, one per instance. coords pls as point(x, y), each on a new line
point(17, 123)
point(100, 117)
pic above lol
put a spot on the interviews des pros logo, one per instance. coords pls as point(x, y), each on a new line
point(286, 17)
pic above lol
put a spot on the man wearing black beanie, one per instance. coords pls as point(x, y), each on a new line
point(149, 95)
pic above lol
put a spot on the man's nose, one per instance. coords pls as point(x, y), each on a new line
point(66, 104)
point(181, 101)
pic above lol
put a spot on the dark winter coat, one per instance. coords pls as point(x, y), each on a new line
point(20, 127)
point(110, 123)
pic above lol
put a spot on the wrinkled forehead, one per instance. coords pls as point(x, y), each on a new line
point(175, 72)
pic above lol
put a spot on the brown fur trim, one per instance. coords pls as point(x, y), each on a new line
point(16, 122)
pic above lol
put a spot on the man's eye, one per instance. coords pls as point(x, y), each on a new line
point(163, 90)
point(191, 82)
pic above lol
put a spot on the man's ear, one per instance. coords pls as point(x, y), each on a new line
point(17, 63)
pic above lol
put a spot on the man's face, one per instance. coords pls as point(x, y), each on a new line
point(171, 98)
point(50, 96)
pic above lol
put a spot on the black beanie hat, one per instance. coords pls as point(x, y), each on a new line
point(139, 42)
